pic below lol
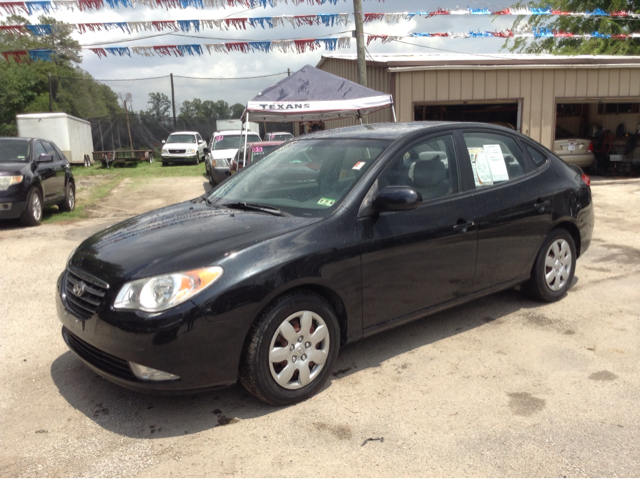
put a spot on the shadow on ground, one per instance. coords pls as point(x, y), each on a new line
point(140, 415)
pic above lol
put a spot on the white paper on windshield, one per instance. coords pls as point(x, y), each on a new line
point(481, 171)
point(497, 165)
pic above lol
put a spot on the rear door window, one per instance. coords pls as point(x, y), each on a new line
point(538, 157)
point(51, 151)
point(495, 158)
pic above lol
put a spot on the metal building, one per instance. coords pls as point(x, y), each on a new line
point(531, 93)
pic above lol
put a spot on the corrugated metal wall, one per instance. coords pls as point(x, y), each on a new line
point(377, 79)
point(539, 90)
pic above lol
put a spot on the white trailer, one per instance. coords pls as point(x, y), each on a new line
point(223, 125)
point(71, 134)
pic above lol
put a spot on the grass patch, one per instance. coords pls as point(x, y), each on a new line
point(52, 214)
point(109, 178)
point(140, 169)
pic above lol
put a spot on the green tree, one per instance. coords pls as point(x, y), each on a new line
point(570, 24)
point(24, 86)
point(237, 110)
point(159, 106)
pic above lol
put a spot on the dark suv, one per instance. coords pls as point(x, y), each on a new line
point(33, 173)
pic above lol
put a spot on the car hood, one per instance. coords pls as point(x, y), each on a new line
point(11, 169)
point(179, 146)
point(226, 153)
point(176, 238)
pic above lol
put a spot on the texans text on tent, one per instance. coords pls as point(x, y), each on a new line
point(285, 106)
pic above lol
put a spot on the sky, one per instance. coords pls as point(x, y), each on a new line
point(236, 66)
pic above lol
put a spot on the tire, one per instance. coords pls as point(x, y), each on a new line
point(69, 202)
point(212, 182)
point(32, 216)
point(197, 159)
point(302, 330)
point(553, 269)
point(164, 163)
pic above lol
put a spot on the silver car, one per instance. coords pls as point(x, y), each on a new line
point(573, 150)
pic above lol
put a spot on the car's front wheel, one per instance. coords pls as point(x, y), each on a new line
point(69, 202)
point(32, 216)
point(554, 267)
point(291, 349)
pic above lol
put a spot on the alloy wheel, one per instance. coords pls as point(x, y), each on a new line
point(36, 206)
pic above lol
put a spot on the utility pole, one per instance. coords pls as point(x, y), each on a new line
point(126, 112)
point(50, 93)
point(173, 102)
point(288, 72)
point(362, 63)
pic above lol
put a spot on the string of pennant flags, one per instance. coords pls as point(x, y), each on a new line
point(187, 26)
point(297, 46)
point(49, 6)
point(241, 23)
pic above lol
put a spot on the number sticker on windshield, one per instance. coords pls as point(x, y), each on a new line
point(257, 150)
point(218, 138)
point(326, 201)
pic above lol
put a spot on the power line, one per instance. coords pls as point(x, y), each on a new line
point(167, 76)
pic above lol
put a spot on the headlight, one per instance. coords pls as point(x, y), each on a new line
point(160, 293)
point(165, 150)
point(7, 181)
point(190, 150)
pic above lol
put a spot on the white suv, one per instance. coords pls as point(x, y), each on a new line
point(222, 148)
point(183, 147)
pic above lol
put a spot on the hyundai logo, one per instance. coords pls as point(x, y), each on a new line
point(79, 288)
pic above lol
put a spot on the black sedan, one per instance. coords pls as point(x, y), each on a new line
point(33, 173)
point(333, 237)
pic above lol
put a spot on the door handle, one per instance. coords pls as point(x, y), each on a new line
point(463, 227)
point(541, 205)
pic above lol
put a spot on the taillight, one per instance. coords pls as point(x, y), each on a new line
point(590, 147)
point(586, 179)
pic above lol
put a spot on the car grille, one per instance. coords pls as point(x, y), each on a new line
point(84, 294)
point(98, 358)
point(177, 151)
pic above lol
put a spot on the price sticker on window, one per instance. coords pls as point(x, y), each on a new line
point(358, 165)
point(257, 150)
point(326, 201)
point(218, 138)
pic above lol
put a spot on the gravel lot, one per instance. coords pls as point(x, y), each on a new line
point(501, 386)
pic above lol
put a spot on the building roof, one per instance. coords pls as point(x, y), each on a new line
point(452, 61)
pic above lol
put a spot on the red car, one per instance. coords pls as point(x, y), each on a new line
point(255, 151)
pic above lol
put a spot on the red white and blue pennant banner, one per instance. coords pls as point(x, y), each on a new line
point(187, 26)
point(50, 6)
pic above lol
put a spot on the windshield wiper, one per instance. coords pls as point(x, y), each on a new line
point(255, 207)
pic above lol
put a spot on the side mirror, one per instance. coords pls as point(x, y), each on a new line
point(44, 158)
point(163, 142)
point(397, 198)
point(206, 150)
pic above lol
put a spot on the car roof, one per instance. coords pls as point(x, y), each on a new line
point(184, 133)
point(393, 131)
point(279, 133)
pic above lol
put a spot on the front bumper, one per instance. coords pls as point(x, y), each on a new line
point(220, 173)
point(178, 158)
point(10, 209)
point(181, 341)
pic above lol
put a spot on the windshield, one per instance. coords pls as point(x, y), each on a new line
point(304, 177)
point(227, 142)
point(181, 139)
point(14, 151)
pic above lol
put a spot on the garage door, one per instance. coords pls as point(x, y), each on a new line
point(503, 114)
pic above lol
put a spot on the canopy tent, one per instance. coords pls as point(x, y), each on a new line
point(313, 95)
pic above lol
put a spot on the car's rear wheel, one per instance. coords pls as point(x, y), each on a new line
point(212, 182)
point(32, 216)
point(69, 202)
point(554, 267)
point(291, 349)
